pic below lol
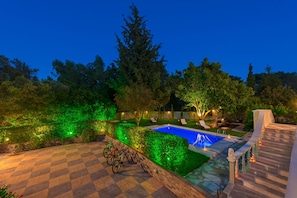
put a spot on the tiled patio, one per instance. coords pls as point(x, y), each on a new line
point(75, 170)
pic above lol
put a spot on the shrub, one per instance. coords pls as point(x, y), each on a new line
point(167, 150)
point(122, 132)
point(88, 135)
point(5, 194)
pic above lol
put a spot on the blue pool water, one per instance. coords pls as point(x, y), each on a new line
point(198, 139)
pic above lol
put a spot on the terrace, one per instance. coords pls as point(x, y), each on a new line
point(79, 170)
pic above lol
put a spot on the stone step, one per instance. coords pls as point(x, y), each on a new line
point(289, 141)
point(283, 131)
point(256, 172)
point(280, 145)
point(264, 181)
point(270, 169)
point(266, 191)
point(273, 163)
point(286, 152)
point(276, 156)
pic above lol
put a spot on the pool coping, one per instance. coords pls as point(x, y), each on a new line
point(211, 151)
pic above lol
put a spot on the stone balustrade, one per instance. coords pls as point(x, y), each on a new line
point(240, 160)
point(291, 190)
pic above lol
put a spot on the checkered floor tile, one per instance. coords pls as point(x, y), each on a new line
point(75, 170)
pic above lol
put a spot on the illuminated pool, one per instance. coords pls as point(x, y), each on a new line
point(195, 138)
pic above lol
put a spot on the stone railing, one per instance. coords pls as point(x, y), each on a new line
point(291, 190)
point(240, 160)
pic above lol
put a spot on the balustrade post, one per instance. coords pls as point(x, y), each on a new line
point(236, 168)
point(243, 162)
point(231, 159)
point(248, 158)
point(257, 149)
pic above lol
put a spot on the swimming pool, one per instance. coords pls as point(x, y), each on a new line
point(195, 138)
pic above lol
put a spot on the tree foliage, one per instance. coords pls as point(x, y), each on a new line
point(207, 88)
point(136, 99)
point(87, 83)
point(251, 78)
point(139, 60)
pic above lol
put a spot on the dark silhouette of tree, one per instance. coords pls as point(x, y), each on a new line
point(139, 60)
point(250, 81)
point(86, 83)
point(11, 69)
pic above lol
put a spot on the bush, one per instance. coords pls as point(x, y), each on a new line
point(88, 135)
point(167, 150)
point(122, 132)
point(5, 194)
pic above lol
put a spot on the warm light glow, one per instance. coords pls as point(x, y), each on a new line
point(6, 139)
point(146, 112)
point(204, 147)
point(260, 143)
point(123, 113)
point(229, 136)
point(253, 159)
point(168, 112)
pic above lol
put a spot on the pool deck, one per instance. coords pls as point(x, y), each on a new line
point(211, 151)
point(216, 148)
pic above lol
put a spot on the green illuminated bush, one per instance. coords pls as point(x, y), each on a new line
point(122, 132)
point(167, 150)
point(102, 112)
point(137, 137)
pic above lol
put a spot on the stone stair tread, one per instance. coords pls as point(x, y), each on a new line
point(276, 164)
point(280, 160)
point(286, 145)
point(279, 132)
point(286, 152)
point(268, 192)
point(256, 172)
point(281, 142)
point(264, 181)
point(276, 155)
point(271, 169)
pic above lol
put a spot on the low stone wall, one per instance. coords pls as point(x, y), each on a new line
point(175, 183)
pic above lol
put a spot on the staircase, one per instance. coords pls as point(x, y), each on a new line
point(269, 174)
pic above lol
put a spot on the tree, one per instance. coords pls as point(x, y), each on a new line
point(207, 88)
point(136, 99)
point(11, 69)
point(250, 81)
point(139, 60)
point(86, 83)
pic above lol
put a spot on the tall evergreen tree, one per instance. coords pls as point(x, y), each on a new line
point(250, 81)
point(139, 60)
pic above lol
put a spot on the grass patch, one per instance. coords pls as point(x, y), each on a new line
point(194, 161)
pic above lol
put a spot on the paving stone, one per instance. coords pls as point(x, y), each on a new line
point(75, 170)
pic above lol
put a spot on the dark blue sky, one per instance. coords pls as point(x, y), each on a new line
point(234, 33)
